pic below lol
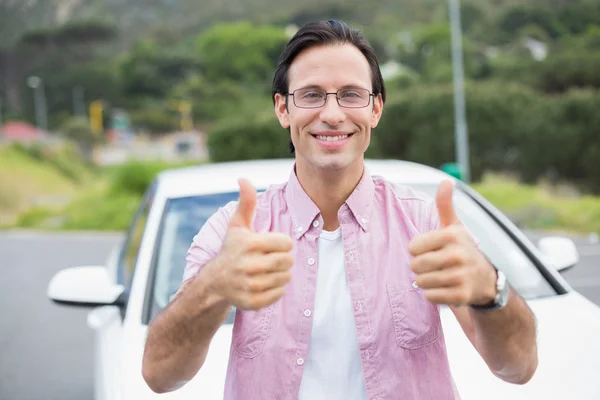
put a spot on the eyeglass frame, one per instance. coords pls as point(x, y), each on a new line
point(371, 94)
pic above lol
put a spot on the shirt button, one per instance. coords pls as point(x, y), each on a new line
point(316, 224)
point(414, 284)
point(311, 261)
point(351, 255)
point(359, 305)
point(363, 220)
point(300, 361)
point(367, 354)
point(299, 229)
point(307, 313)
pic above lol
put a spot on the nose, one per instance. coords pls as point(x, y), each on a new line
point(331, 113)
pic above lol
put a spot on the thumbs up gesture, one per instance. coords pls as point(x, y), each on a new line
point(447, 264)
point(251, 269)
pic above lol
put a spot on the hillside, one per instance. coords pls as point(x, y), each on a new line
point(179, 17)
point(26, 181)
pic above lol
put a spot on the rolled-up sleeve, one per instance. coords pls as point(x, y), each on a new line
point(208, 241)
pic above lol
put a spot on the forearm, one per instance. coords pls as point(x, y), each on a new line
point(179, 337)
point(506, 339)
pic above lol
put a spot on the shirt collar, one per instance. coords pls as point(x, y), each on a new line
point(304, 211)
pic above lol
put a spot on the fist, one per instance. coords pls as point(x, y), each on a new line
point(252, 268)
point(447, 264)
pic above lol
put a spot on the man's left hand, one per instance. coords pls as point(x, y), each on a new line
point(447, 264)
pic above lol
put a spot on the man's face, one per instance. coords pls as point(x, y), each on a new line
point(329, 137)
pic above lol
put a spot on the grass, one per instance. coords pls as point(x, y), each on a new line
point(25, 182)
point(107, 204)
point(542, 206)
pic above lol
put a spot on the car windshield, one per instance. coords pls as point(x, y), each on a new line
point(183, 218)
point(498, 246)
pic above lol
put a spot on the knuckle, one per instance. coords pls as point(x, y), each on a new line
point(456, 277)
point(288, 243)
point(454, 256)
point(458, 258)
point(288, 260)
point(245, 302)
point(460, 297)
point(253, 302)
point(286, 277)
point(450, 234)
point(253, 285)
point(416, 263)
point(253, 243)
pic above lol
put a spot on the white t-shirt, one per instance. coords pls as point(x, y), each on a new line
point(333, 367)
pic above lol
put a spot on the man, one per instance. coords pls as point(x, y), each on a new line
point(337, 276)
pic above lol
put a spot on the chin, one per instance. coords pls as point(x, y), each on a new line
point(335, 163)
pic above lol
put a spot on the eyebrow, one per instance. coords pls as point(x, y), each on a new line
point(320, 88)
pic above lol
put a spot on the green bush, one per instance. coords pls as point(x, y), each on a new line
point(569, 69)
point(510, 127)
point(101, 211)
point(246, 138)
point(135, 176)
point(419, 125)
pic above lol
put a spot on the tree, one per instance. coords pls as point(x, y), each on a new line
point(240, 51)
point(149, 71)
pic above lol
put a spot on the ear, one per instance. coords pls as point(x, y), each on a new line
point(281, 110)
point(377, 110)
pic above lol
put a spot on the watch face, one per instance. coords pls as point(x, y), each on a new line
point(502, 287)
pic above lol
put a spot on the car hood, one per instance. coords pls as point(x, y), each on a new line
point(568, 347)
point(568, 328)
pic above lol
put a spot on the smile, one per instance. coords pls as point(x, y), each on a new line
point(332, 138)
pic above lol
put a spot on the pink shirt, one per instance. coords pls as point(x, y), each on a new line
point(399, 332)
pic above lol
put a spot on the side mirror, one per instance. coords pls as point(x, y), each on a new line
point(85, 286)
point(559, 252)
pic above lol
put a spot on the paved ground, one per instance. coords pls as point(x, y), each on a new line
point(46, 349)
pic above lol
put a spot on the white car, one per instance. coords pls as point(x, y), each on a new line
point(146, 270)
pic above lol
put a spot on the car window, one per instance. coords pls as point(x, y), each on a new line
point(498, 246)
point(182, 219)
point(131, 248)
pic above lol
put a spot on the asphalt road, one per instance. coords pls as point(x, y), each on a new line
point(45, 349)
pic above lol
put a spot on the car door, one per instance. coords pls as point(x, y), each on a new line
point(107, 322)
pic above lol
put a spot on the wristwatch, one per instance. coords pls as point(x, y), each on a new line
point(501, 299)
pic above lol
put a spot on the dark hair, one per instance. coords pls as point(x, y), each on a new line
point(320, 34)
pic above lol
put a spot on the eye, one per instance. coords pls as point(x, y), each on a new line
point(312, 95)
point(350, 94)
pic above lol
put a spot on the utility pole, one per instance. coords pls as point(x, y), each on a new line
point(461, 138)
point(78, 101)
point(37, 85)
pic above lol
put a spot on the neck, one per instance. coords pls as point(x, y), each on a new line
point(329, 189)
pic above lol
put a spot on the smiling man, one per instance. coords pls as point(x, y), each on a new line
point(337, 275)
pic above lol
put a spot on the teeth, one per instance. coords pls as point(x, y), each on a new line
point(332, 138)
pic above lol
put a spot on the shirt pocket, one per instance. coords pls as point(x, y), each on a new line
point(416, 320)
point(251, 330)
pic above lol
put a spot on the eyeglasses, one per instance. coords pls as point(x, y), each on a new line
point(316, 98)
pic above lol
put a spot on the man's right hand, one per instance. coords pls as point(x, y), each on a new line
point(252, 268)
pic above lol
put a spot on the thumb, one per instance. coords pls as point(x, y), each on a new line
point(246, 205)
point(443, 200)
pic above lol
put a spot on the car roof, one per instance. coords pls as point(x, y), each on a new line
point(223, 177)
